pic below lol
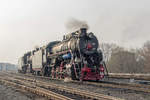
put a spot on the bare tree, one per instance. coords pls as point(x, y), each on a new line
point(145, 55)
point(126, 61)
point(123, 61)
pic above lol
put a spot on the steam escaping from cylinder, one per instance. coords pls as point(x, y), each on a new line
point(74, 24)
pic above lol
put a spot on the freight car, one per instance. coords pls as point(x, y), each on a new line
point(77, 56)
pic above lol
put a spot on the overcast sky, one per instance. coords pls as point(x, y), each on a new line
point(27, 23)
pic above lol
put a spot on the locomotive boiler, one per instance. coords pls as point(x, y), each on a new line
point(77, 56)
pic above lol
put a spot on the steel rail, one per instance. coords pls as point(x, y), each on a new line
point(82, 93)
point(129, 86)
point(36, 90)
point(130, 76)
point(135, 87)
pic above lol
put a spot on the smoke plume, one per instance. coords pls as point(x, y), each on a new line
point(74, 24)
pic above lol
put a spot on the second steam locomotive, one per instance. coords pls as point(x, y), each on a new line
point(77, 56)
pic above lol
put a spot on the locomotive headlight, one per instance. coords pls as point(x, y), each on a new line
point(93, 44)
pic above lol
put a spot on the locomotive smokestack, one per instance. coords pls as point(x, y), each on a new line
point(83, 31)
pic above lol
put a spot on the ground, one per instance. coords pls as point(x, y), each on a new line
point(10, 93)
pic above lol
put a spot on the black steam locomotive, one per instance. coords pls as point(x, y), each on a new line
point(76, 56)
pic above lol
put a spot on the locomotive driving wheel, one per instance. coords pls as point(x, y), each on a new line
point(58, 74)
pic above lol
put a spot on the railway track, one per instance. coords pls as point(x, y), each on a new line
point(51, 90)
point(36, 90)
point(130, 76)
point(129, 86)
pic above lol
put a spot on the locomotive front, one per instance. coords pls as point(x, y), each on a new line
point(91, 57)
point(79, 52)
